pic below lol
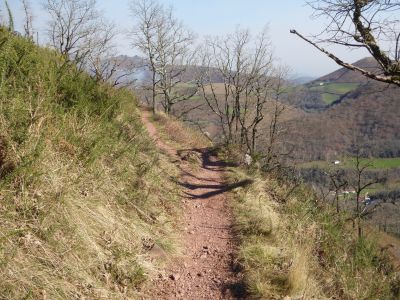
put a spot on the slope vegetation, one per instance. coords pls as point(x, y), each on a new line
point(85, 198)
point(293, 246)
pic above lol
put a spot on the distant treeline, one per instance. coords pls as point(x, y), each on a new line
point(387, 196)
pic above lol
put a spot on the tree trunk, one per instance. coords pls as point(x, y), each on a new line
point(337, 202)
point(154, 93)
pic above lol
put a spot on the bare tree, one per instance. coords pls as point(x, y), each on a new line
point(372, 25)
point(83, 36)
point(148, 14)
point(73, 25)
point(28, 27)
point(272, 155)
point(101, 60)
point(260, 80)
point(245, 66)
point(166, 42)
point(118, 71)
point(359, 182)
point(174, 56)
point(216, 58)
point(338, 183)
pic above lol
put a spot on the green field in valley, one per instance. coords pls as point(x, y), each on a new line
point(333, 91)
point(374, 163)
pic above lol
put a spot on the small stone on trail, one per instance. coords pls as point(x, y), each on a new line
point(216, 280)
point(199, 274)
point(174, 276)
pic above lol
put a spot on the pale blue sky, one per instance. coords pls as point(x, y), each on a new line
point(209, 17)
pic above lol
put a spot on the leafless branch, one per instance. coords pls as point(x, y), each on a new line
point(372, 25)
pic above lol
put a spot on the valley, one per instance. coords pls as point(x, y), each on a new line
point(352, 114)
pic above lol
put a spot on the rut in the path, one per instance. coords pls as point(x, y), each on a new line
point(205, 271)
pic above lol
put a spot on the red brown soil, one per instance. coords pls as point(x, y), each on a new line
point(205, 269)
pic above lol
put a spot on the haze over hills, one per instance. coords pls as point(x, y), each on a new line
point(299, 79)
point(141, 72)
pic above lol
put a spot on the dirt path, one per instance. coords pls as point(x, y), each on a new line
point(205, 271)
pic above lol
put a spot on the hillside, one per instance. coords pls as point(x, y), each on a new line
point(329, 89)
point(366, 117)
point(343, 111)
point(84, 196)
point(344, 75)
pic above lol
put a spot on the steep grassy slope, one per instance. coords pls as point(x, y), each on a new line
point(85, 199)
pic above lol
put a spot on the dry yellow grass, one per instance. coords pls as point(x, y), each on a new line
point(290, 247)
point(174, 131)
point(277, 263)
point(86, 195)
point(84, 228)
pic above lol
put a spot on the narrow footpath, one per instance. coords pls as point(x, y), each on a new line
point(206, 268)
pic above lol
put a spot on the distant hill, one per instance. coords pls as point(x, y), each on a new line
point(344, 75)
point(298, 80)
point(329, 89)
point(142, 72)
point(366, 115)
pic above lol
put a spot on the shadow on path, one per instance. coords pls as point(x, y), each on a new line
point(212, 163)
point(209, 160)
point(217, 189)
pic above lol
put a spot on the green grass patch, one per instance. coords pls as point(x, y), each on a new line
point(333, 91)
point(330, 98)
point(373, 163)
